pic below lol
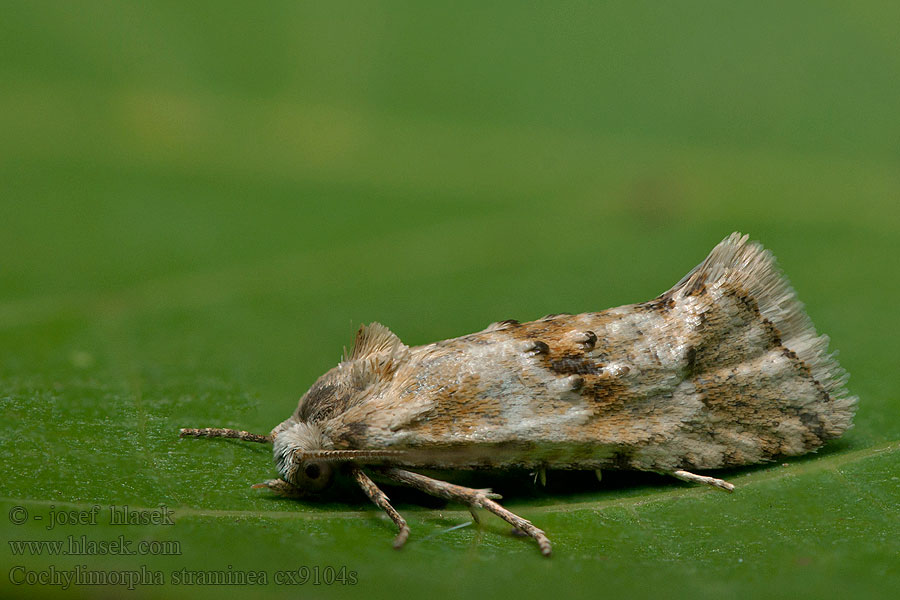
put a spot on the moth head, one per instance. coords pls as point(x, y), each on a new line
point(304, 455)
point(294, 449)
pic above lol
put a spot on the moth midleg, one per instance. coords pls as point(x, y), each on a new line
point(472, 497)
point(694, 478)
point(245, 436)
point(381, 501)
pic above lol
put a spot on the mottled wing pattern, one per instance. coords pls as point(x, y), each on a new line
point(723, 369)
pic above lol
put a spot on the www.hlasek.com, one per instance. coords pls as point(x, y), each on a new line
point(81, 545)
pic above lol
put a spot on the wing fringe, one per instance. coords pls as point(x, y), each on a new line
point(737, 261)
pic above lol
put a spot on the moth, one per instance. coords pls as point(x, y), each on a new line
point(723, 369)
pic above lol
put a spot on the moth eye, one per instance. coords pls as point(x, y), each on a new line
point(314, 476)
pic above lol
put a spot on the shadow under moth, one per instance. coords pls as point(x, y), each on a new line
point(723, 369)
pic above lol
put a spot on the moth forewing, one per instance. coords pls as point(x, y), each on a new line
point(723, 369)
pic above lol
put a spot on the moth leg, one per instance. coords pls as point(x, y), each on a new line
point(282, 488)
point(245, 436)
point(472, 497)
point(694, 478)
point(381, 501)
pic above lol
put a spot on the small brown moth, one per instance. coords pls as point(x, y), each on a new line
point(723, 369)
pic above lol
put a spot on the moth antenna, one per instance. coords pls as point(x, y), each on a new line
point(244, 436)
point(381, 500)
point(347, 455)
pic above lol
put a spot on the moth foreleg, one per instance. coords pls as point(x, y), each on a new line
point(245, 436)
point(472, 497)
point(694, 478)
point(282, 488)
point(381, 501)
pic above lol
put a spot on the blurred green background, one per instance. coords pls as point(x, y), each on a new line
point(199, 203)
